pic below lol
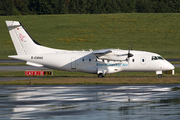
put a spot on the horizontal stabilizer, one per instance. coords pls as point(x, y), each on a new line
point(19, 57)
point(12, 23)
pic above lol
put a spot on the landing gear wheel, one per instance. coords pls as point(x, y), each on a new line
point(160, 76)
point(100, 75)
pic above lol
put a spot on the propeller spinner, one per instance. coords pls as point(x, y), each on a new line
point(129, 54)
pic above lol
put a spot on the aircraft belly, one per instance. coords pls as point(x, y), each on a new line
point(92, 70)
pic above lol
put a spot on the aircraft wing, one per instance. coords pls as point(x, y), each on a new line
point(106, 54)
point(101, 52)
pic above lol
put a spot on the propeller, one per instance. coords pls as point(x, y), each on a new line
point(129, 54)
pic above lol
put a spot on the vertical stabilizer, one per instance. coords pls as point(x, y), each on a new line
point(22, 41)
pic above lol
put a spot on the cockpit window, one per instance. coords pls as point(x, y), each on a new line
point(154, 58)
point(160, 58)
point(157, 58)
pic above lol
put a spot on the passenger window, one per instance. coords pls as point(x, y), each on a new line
point(89, 60)
point(132, 60)
point(142, 60)
point(83, 59)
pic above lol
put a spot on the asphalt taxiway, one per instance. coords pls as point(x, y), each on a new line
point(21, 68)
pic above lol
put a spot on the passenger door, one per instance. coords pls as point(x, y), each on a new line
point(73, 63)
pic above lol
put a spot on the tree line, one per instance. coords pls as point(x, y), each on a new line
point(41, 7)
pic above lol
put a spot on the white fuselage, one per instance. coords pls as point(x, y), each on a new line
point(86, 61)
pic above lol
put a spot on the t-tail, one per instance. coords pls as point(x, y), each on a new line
point(23, 42)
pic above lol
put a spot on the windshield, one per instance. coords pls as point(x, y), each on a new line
point(157, 58)
point(160, 58)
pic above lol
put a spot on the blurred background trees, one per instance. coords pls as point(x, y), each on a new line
point(41, 7)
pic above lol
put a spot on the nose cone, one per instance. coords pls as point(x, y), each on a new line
point(169, 66)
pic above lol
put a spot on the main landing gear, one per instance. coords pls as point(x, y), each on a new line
point(100, 75)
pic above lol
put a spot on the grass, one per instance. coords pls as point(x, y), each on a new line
point(93, 81)
point(153, 32)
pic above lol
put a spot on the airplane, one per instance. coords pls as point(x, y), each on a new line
point(100, 62)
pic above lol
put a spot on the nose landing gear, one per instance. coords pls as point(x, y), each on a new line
point(160, 76)
point(159, 73)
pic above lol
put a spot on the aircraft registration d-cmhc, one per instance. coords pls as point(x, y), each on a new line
point(99, 62)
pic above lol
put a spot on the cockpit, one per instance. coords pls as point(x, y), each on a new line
point(157, 58)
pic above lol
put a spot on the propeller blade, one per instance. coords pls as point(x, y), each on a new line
point(130, 48)
point(129, 54)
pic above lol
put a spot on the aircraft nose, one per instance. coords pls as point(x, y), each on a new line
point(170, 66)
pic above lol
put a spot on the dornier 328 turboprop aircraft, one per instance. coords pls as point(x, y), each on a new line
point(99, 62)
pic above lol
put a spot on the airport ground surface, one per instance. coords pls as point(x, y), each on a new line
point(145, 98)
point(87, 102)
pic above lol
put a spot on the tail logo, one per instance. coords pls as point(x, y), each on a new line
point(22, 37)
